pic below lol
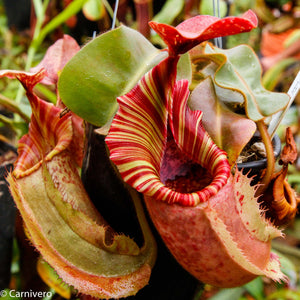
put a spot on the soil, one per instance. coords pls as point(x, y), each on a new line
point(255, 150)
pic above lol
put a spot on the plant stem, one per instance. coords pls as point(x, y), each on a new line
point(72, 9)
point(40, 9)
point(7, 122)
point(110, 11)
point(144, 13)
point(13, 107)
point(266, 139)
point(286, 249)
point(40, 33)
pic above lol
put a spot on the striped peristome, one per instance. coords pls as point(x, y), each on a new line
point(49, 133)
point(138, 134)
point(194, 141)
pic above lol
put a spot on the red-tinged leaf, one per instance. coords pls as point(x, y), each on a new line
point(58, 132)
point(48, 135)
point(56, 58)
point(201, 28)
point(78, 141)
point(53, 62)
point(32, 146)
point(231, 132)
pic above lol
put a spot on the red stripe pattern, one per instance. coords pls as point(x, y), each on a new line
point(137, 137)
point(192, 139)
point(49, 133)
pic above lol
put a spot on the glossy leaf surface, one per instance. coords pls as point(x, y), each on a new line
point(193, 31)
point(104, 69)
point(230, 131)
point(240, 71)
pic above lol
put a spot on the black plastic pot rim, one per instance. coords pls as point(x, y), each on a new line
point(262, 163)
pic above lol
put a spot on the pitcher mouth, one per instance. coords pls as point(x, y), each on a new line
point(194, 180)
point(180, 173)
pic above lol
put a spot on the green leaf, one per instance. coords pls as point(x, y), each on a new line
point(169, 11)
point(72, 9)
point(273, 75)
point(107, 67)
point(184, 68)
point(229, 294)
point(284, 294)
point(50, 277)
point(206, 8)
point(292, 38)
point(256, 288)
point(289, 260)
point(241, 71)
